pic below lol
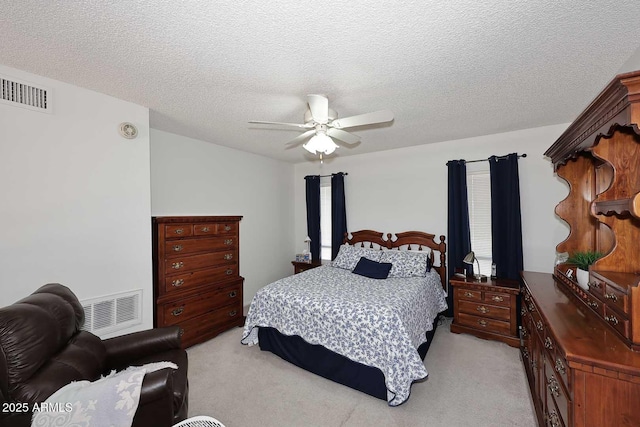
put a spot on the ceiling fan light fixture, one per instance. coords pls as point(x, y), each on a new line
point(320, 143)
point(322, 125)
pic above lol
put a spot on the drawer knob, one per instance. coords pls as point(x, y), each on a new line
point(177, 248)
point(177, 283)
point(177, 265)
point(497, 298)
point(525, 353)
point(523, 311)
point(227, 227)
point(593, 304)
point(595, 284)
point(228, 256)
point(181, 333)
point(233, 294)
point(524, 332)
point(177, 311)
point(548, 344)
point(205, 229)
point(539, 325)
point(232, 313)
point(229, 272)
point(482, 323)
point(482, 309)
point(468, 294)
point(612, 297)
point(532, 307)
point(612, 319)
point(179, 230)
point(560, 367)
point(228, 241)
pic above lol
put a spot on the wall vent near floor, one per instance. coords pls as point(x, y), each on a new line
point(112, 313)
point(23, 94)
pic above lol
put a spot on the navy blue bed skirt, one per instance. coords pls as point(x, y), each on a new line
point(328, 364)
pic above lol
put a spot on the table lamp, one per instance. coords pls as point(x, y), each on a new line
point(469, 259)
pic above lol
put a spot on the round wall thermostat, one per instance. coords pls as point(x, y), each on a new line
point(128, 130)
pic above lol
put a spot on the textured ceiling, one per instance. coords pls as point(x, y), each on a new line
point(447, 69)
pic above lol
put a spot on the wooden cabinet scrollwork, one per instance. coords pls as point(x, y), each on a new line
point(581, 344)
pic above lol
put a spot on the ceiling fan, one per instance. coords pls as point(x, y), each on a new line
point(322, 124)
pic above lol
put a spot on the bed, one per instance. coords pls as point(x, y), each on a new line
point(367, 333)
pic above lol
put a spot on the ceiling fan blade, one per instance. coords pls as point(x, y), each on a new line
point(300, 138)
point(347, 137)
point(363, 119)
point(319, 106)
point(303, 126)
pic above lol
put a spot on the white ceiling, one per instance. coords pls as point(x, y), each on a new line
point(447, 69)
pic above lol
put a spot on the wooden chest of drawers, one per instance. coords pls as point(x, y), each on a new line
point(579, 372)
point(196, 273)
point(486, 309)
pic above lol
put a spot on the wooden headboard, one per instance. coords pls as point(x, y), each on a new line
point(409, 240)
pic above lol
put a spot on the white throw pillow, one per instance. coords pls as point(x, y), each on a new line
point(348, 256)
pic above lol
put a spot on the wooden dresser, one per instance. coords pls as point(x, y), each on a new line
point(486, 309)
point(582, 344)
point(196, 274)
point(581, 373)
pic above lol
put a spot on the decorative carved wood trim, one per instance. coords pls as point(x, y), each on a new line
point(617, 104)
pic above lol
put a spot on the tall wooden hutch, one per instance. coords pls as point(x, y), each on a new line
point(581, 347)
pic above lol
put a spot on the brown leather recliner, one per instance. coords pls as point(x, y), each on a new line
point(43, 349)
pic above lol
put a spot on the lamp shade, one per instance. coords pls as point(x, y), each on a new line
point(470, 258)
point(321, 143)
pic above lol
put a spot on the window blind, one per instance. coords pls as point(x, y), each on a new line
point(325, 219)
point(479, 193)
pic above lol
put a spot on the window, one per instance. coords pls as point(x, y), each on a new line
point(479, 194)
point(325, 218)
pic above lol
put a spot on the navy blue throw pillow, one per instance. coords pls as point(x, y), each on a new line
point(372, 269)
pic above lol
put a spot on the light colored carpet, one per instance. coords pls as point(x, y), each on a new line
point(472, 382)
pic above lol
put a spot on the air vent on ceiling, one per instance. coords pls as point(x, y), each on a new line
point(111, 313)
point(23, 94)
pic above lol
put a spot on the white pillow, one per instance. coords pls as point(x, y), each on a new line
point(407, 263)
point(348, 256)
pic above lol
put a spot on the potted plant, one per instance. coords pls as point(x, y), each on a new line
point(582, 260)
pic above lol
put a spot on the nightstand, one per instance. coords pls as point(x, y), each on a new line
point(486, 309)
point(299, 267)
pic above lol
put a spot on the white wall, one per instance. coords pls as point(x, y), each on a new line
point(75, 196)
point(631, 64)
point(406, 189)
point(193, 177)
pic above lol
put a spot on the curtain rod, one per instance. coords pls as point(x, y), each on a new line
point(499, 157)
point(324, 176)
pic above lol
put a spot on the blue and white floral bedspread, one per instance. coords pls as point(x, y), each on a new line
point(379, 323)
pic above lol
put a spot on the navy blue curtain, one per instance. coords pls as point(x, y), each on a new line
point(459, 236)
point(338, 213)
point(506, 222)
point(313, 213)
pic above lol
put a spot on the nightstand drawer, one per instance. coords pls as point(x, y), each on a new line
point(299, 267)
point(468, 294)
point(485, 310)
point(485, 324)
point(496, 298)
